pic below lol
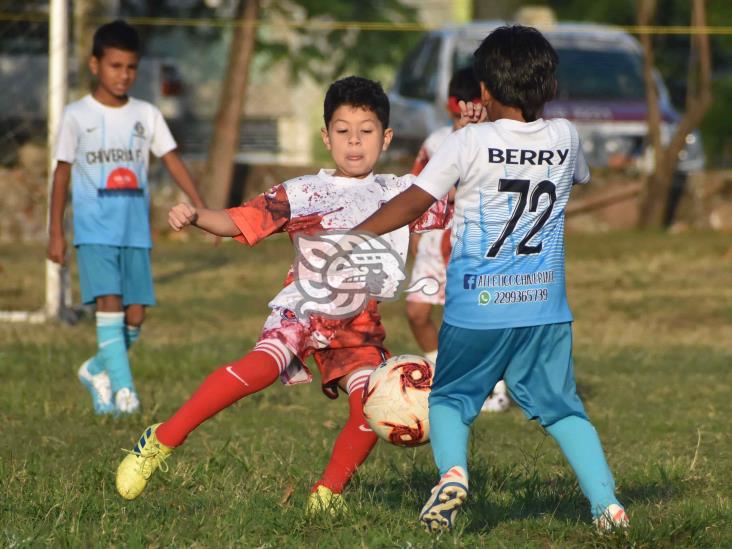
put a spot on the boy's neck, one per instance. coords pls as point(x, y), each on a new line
point(109, 100)
point(498, 111)
point(340, 173)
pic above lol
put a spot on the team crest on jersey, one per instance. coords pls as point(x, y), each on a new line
point(139, 129)
point(339, 273)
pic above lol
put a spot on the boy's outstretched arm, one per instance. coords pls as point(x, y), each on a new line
point(216, 222)
point(182, 177)
point(56, 250)
point(399, 211)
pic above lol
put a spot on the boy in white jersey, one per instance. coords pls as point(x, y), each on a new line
point(432, 249)
point(506, 313)
point(345, 349)
point(103, 148)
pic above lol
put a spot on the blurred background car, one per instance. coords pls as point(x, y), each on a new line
point(601, 90)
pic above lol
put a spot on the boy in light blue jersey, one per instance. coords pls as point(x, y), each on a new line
point(506, 313)
point(103, 148)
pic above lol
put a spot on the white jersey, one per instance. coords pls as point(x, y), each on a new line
point(507, 263)
point(321, 204)
point(435, 140)
point(109, 149)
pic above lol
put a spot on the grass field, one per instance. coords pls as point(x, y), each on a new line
point(653, 352)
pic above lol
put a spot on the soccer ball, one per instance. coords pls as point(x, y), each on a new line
point(395, 401)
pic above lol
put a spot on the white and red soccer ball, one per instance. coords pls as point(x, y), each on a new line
point(395, 401)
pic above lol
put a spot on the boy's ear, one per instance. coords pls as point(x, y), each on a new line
point(485, 94)
point(93, 65)
point(388, 136)
point(326, 138)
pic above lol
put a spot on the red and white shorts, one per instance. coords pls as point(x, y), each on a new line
point(339, 347)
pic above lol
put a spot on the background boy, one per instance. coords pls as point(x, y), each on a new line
point(356, 115)
point(432, 249)
point(103, 149)
point(506, 313)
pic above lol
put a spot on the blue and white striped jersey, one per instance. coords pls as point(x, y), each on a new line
point(507, 264)
point(109, 149)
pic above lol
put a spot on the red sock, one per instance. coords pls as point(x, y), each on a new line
point(351, 448)
point(222, 388)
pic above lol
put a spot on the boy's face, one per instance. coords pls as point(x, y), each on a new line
point(355, 139)
point(115, 70)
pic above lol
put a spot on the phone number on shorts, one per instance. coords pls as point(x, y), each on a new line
point(522, 296)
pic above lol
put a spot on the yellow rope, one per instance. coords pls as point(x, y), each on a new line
point(316, 24)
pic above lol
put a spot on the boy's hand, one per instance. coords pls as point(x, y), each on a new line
point(181, 216)
point(56, 250)
point(471, 113)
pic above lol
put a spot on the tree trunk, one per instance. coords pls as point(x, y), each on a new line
point(656, 191)
point(225, 139)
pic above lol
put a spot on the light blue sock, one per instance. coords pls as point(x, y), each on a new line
point(581, 446)
point(449, 438)
point(132, 334)
point(112, 352)
point(95, 365)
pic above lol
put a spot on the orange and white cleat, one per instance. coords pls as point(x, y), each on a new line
point(612, 518)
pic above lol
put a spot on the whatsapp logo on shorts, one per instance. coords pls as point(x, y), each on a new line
point(484, 298)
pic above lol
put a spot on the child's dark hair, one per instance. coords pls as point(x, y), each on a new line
point(464, 86)
point(356, 91)
point(116, 34)
point(517, 66)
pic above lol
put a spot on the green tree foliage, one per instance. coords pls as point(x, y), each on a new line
point(323, 53)
point(329, 53)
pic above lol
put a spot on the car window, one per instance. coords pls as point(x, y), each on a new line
point(602, 75)
point(418, 76)
point(589, 74)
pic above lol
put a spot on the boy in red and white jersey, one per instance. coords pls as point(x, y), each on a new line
point(345, 337)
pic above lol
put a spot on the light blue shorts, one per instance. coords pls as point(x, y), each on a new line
point(535, 362)
point(115, 270)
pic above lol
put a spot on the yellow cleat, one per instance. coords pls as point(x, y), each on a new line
point(138, 466)
point(324, 500)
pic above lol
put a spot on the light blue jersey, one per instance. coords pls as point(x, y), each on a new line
point(109, 149)
point(507, 264)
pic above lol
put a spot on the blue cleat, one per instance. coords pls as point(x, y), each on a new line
point(438, 514)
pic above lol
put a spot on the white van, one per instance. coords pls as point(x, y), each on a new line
point(601, 90)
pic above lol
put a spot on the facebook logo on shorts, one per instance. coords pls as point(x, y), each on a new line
point(469, 281)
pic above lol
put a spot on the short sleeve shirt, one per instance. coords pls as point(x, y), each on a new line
point(507, 264)
point(429, 148)
point(109, 149)
point(321, 203)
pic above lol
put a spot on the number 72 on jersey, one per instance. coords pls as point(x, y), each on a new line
point(521, 187)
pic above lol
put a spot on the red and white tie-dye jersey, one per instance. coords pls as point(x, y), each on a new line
point(322, 203)
point(315, 204)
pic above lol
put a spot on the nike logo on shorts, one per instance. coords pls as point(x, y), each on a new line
point(230, 370)
point(89, 130)
point(365, 429)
